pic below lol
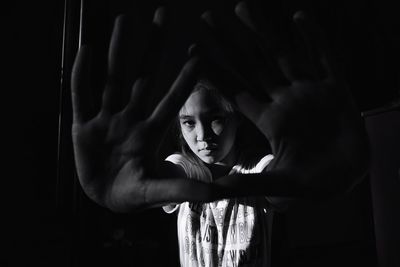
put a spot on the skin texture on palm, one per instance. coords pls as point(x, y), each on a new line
point(303, 107)
point(114, 148)
point(313, 127)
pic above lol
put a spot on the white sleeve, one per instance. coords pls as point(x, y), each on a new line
point(263, 163)
point(179, 159)
point(176, 159)
point(171, 208)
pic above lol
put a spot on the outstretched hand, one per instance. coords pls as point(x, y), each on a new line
point(115, 146)
point(290, 89)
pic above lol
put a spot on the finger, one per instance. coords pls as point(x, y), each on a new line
point(219, 40)
point(220, 55)
point(243, 13)
point(249, 41)
point(156, 65)
point(316, 44)
point(255, 19)
point(236, 36)
point(82, 102)
point(136, 106)
point(117, 50)
point(295, 67)
point(116, 66)
point(228, 85)
point(250, 106)
point(134, 46)
point(177, 95)
point(275, 45)
point(155, 44)
point(143, 61)
point(139, 45)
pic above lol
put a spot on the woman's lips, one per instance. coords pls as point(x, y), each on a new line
point(207, 152)
point(209, 148)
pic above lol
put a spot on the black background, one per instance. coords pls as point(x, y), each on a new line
point(44, 226)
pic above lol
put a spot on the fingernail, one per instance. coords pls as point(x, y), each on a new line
point(120, 19)
point(159, 16)
point(242, 11)
point(207, 17)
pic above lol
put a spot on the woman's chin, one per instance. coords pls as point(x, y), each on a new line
point(209, 159)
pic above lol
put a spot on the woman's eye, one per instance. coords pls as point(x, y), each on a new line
point(188, 123)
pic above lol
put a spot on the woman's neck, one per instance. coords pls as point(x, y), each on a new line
point(223, 167)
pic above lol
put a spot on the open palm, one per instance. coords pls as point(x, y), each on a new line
point(295, 96)
point(116, 146)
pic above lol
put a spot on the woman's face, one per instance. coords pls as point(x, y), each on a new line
point(207, 127)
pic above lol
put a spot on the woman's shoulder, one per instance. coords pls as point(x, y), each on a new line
point(180, 160)
point(263, 162)
point(253, 163)
point(176, 158)
point(191, 167)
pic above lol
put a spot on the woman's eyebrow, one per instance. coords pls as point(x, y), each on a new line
point(182, 117)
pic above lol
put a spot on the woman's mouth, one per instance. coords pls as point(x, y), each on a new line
point(209, 148)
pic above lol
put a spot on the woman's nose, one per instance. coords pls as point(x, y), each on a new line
point(204, 132)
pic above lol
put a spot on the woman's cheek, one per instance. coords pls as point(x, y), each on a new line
point(217, 129)
point(189, 137)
